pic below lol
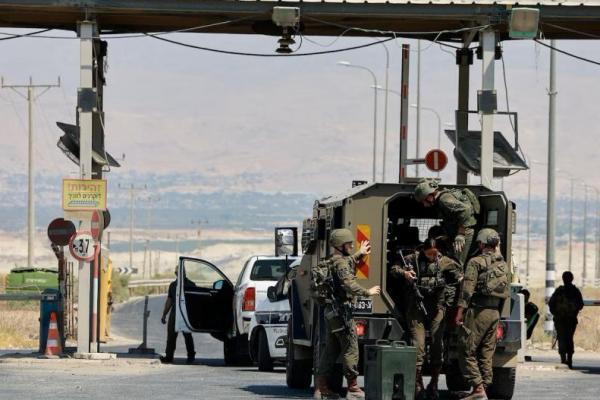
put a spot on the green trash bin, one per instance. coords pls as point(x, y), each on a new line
point(390, 369)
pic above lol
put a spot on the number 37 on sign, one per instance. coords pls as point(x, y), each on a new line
point(83, 246)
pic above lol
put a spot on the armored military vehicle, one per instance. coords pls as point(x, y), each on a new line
point(393, 221)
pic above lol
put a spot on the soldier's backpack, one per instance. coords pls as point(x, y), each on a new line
point(494, 280)
point(464, 195)
point(321, 282)
point(561, 306)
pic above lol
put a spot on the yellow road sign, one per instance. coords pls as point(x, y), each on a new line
point(84, 194)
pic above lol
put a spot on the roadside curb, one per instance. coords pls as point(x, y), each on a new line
point(111, 359)
point(542, 366)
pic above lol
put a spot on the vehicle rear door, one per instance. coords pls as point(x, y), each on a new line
point(204, 298)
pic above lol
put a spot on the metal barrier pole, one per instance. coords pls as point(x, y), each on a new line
point(143, 348)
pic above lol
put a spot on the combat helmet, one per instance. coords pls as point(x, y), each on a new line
point(488, 236)
point(424, 188)
point(340, 236)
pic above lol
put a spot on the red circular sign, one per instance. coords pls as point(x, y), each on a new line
point(436, 160)
point(60, 231)
point(95, 227)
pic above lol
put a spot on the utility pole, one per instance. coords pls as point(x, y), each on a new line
point(528, 225)
point(132, 189)
point(570, 266)
point(585, 205)
point(418, 125)
point(199, 231)
point(551, 215)
point(597, 266)
point(30, 97)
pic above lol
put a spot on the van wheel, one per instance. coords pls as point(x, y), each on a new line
point(265, 362)
point(454, 379)
point(503, 384)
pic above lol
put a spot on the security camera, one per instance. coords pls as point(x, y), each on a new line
point(286, 17)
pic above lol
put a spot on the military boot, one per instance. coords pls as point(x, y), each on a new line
point(478, 393)
point(354, 391)
point(418, 384)
point(570, 360)
point(563, 358)
point(322, 391)
point(432, 388)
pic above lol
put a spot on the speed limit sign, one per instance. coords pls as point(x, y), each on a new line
point(83, 246)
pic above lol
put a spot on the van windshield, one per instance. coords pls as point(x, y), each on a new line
point(269, 270)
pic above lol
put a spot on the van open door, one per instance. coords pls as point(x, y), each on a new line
point(204, 298)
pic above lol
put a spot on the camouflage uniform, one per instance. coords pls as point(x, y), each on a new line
point(456, 213)
point(477, 337)
point(435, 281)
point(340, 340)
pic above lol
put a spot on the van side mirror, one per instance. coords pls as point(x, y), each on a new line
point(272, 294)
point(286, 241)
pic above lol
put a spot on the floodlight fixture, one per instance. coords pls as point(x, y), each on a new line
point(524, 23)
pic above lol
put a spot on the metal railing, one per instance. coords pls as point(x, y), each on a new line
point(149, 283)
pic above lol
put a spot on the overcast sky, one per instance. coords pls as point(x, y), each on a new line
point(301, 124)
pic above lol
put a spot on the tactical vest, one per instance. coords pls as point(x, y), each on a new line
point(429, 275)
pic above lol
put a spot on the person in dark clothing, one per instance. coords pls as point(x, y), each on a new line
point(565, 304)
point(532, 314)
point(171, 333)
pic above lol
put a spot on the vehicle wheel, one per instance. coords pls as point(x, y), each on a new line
point(230, 354)
point(298, 373)
point(503, 385)
point(265, 362)
point(454, 379)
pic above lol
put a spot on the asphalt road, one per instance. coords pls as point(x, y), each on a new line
point(29, 378)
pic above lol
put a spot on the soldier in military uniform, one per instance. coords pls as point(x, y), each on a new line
point(457, 208)
point(565, 304)
point(435, 277)
point(341, 335)
point(477, 335)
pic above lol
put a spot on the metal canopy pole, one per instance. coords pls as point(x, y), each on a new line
point(464, 60)
point(551, 215)
point(488, 44)
point(86, 35)
point(404, 113)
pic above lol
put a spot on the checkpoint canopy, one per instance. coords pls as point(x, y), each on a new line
point(558, 19)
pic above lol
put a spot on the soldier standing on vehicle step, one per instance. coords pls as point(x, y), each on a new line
point(340, 332)
point(565, 304)
point(485, 287)
point(457, 208)
point(432, 273)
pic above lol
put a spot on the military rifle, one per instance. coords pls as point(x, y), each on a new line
point(413, 286)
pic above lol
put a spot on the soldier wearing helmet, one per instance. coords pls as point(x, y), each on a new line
point(457, 208)
point(341, 341)
point(484, 288)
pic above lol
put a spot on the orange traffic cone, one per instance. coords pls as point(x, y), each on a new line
point(53, 346)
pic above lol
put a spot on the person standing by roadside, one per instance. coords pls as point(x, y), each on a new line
point(565, 304)
point(169, 308)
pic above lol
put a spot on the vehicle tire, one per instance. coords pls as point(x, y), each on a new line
point(503, 385)
point(298, 373)
point(230, 353)
point(454, 378)
point(265, 362)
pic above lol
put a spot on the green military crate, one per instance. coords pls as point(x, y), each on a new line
point(390, 369)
